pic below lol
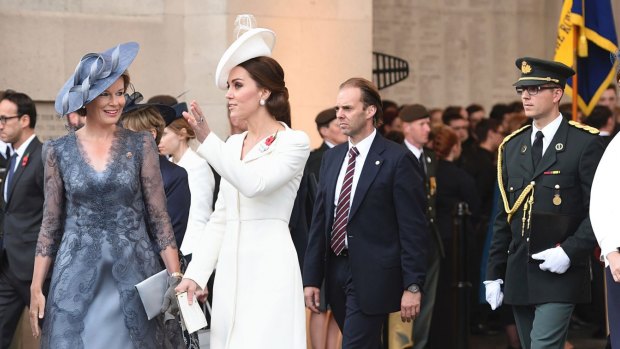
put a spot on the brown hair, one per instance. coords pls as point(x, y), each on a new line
point(268, 74)
point(178, 125)
point(145, 119)
point(370, 95)
point(444, 140)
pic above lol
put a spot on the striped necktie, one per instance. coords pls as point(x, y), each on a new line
point(339, 229)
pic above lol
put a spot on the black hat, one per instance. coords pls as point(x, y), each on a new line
point(325, 117)
point(413, 112)
point(132, 104)
point(536, 71)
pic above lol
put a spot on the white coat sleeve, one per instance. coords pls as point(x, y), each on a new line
point(603, 199)
point(290, 152)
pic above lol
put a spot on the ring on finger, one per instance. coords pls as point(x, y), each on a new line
point(201, 120)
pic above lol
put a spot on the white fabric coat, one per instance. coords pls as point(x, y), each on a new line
point(603, 200)
point(258, 293)
point(201, 185)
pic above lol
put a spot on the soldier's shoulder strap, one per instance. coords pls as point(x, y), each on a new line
point(583, 127)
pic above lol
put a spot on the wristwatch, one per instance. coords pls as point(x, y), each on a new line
point(413, 288)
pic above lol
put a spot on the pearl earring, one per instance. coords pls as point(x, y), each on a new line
point(262, 102)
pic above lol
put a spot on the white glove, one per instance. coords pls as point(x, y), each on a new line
point(494, 294)
point(555, 260)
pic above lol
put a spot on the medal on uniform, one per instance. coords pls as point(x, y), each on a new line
point(557, 200)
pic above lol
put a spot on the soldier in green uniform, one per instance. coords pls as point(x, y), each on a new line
point(543, 238)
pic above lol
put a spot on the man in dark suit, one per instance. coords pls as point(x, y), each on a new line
point(23, 209)
point(369, 232)
point(416, 128)
point(543, 238)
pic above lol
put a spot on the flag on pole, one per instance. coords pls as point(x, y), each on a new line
point(597, 40)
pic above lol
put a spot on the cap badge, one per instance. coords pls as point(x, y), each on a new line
point(525, 68)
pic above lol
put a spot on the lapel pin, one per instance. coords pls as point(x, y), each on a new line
point(559, 146)
point(377, 162)
point(523, 148)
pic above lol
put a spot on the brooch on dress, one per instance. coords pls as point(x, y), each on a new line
point(265, 145)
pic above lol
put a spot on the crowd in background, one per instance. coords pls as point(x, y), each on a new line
point(464, 141)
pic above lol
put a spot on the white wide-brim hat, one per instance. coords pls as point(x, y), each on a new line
point(254, 43)
point(94, 73)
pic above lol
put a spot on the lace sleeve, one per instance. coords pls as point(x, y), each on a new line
point(53, 207)
point(157, 218)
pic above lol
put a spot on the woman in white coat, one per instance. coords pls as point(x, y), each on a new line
point(174, 142)
point(604, 217)
point(258, 293)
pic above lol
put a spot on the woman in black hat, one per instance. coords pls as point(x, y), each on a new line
point(103, 192)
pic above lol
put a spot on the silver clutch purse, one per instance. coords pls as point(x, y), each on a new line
point(152, 292)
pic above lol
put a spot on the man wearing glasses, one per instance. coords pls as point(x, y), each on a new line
point(543, 238)
point(22, 203)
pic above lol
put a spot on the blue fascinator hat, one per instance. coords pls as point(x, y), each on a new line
point(94, 73)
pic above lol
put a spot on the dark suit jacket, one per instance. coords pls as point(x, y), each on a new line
point(23, 213)
point(454, 185)
point(176, 187)
point(301, 216)
point(387, 230)
point(480, 164)
point(430, 186)
point(313, 165)
point(574, 153)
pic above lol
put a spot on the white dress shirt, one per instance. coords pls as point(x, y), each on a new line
point(548, 132)
point(20, 152)
point(417, 152)
point(363, 147)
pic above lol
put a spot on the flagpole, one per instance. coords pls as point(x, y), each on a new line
point(575, 93)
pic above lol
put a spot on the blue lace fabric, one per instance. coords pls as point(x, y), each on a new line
point(98, 227)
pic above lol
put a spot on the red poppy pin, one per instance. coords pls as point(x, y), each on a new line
point(25, 160)
point(264, 146)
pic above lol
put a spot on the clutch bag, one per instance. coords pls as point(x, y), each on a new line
point(152, 292)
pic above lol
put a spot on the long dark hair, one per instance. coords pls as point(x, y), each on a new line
point(269, 75)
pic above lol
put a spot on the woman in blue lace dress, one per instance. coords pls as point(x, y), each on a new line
point(104, 206)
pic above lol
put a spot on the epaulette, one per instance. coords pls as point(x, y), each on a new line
point(581, 126)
